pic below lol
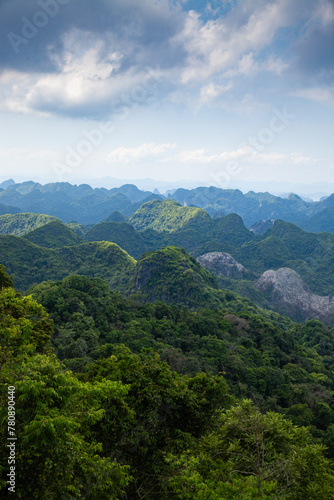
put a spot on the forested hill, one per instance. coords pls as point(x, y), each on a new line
point(86, 205)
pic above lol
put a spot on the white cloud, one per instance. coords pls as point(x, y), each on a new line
point(87, 80)
point(125, 155)
point(24, 154)
point(203, 156)
point(229, 45)
point(197, 156)
point(315, 94)
point(201, 63)
point(325, 12)
point(211, 91)
point(245, 155)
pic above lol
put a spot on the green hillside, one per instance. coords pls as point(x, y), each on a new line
point(29, 264)
point(320, 222)
point(53, 235)
point(77, 228)
point(123, 234)
point(20, 224)
point(286, 245)
point(115, 217)
point(173, 276)
point(167, 216)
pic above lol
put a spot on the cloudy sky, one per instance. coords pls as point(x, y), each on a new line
point(218, 92)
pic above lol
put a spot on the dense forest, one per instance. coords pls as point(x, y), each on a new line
point(148, 360)
point(162, 401)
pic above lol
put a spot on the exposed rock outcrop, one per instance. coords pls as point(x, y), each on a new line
point(287, 292)
point(222, 264)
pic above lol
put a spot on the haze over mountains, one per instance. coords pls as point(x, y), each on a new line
point(87, 205)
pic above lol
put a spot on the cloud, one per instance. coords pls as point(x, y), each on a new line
point(126, 155)
point(87, 83)
point(24, 154)
point(228, 45)
point(89, 54)
point(245, 155)
point(322, 95)
point(203, 156)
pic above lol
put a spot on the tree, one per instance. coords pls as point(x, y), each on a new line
point(254, 455)
point(57, 455)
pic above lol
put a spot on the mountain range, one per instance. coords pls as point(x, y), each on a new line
point(87, 205)
point(151, 254)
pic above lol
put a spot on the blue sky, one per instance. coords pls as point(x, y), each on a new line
point(219, 92)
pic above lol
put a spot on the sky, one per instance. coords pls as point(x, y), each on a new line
point(230, 93)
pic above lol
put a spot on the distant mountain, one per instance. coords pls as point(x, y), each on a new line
point(320, 222)
point(82, 203)
point(53, 235)
point(190, 227)
point(223, 246)
point(286, 245)
point(5, 184)
point(115, 217)
point(282, 291)
point(167, 216)
point(85, 205)
point(23, 223)
point(8, 209)
point(252, 207)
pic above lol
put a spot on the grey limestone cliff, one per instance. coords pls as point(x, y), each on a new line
point(287, 292)
point(222, 264)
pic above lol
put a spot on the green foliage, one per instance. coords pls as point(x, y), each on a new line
point(56, 454)
point(24, 325)
point(78, 229)
point(5, 280)
point(289, 370)
point(173, 276)
point(20, 224)
point(166, 412)
point(251, 455)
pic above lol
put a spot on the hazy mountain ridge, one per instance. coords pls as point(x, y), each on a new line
point(89, 205)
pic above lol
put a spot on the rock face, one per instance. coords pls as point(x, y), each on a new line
point(222, 264)
point(287, 292)
point(262, 226)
